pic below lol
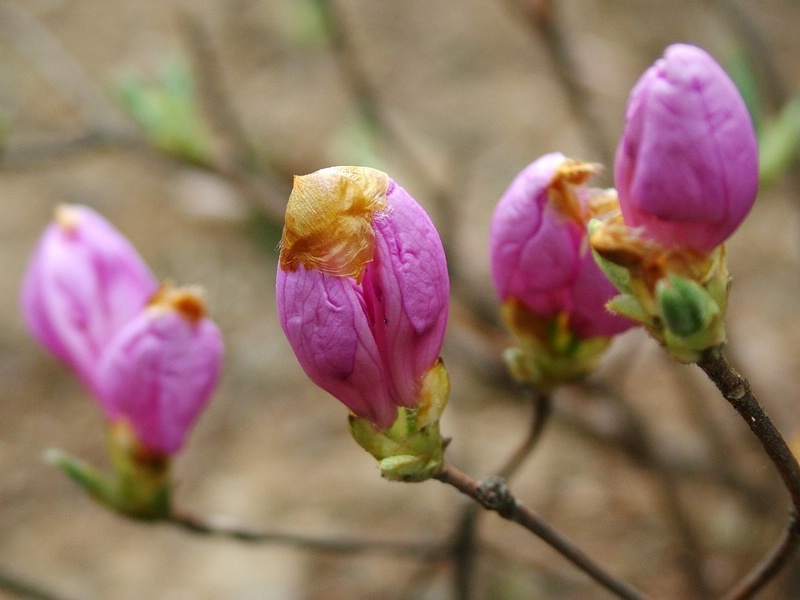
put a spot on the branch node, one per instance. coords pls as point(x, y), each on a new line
point(493, 494)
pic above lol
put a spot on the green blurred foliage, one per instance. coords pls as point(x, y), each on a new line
point(167, 111)
point(779, 141)
point(778, 134)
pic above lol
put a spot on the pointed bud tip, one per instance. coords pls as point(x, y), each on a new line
point(186, 301)
point(67, 217)
point(54, 456)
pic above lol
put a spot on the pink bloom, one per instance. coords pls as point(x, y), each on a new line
point(84, 282)
point(362, 289)
point(687, 165)
point(160, 369)
point(539, 254)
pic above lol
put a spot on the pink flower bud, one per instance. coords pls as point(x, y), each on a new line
point(687, 165)
point(362, 289)
point(84, 282)
point(158, 372)
point(539, 255)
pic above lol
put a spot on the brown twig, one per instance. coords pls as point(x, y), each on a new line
point(542, 403)
point(264, 183)
point(642, 452)
point(226, 529)
point(541, 16)
point(464, 543)
point(372, 107)
point(47, 55)
point(492, 494)
point(736, 390)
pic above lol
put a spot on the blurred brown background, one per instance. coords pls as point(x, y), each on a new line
point(452, 98)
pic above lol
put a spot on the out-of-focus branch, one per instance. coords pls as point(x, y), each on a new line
point(25, 589)
point(225, 528)
point(611, 427)
point(465, 543)
point(542, 406)
point(771, 564)
point(758, 49)
point(736, 390)
point(31, 40)
point(492, 494)
point(266, 183)
point(691, 555)
point(373, 107)
point(542, 19)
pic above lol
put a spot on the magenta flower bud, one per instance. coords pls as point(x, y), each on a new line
point(687, 165)
point(84, 282)
point(158, 372)
point(539, 255)
point(362, 289)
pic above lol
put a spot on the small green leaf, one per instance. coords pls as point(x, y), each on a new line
point(779, 141)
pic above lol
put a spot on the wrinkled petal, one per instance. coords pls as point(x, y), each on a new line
point(158, 374)
point(84, 282)
point(327, 326)
point(362, 289)
point(687, 165)
point(532, 253)
point(406, 290)
point(539, 255)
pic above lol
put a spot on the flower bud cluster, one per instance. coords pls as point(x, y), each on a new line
point(362, 285)
point(686, 173)
point(149, 355)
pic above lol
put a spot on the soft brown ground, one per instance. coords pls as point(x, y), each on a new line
point(471, 87)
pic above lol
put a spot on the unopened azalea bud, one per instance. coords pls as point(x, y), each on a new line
point(158, 373)
point(553, 293)
point(84, 282)
point(687, 164)
point(362, 289)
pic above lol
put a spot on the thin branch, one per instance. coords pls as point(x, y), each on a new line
point(771, 564)
point(465, 542)
point(736, 390)
point(494, 495)
point(265, 183)
point(224, 528)
point(616, 434)
point(542, 403)
point(47, 55)
point(25, 589)
point(691, 555)
point(372, 107)
point(39, 152)
point(541, 16)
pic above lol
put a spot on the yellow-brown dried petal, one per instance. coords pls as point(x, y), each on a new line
point(329, 220)
point(563, 196)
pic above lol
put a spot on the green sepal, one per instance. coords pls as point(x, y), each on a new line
point(139, 485)
point(628, 306)
point(412, 449)
point(548, 353)
point(99, 486)
point(616, 274)
point(686, 308)
point(692, 318)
